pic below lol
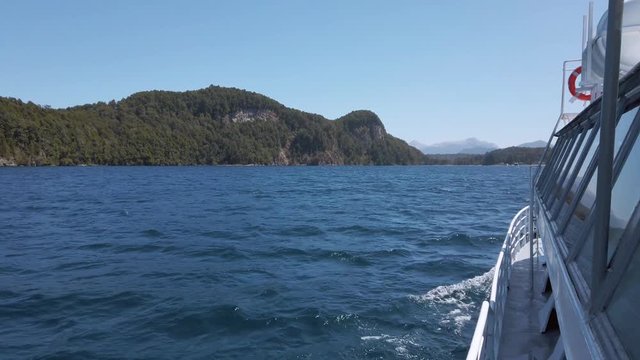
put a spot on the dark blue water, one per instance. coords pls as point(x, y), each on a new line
point(248, 262)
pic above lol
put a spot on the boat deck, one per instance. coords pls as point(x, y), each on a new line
point(521, 337)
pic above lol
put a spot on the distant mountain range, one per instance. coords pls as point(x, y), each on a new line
point(471, 146)
point(467, 146)
point(534, 144)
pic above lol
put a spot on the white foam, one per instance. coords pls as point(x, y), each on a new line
point(367, 338)
point(399, 343)
point(451, 293)
point(344, 317)
point(453, 301)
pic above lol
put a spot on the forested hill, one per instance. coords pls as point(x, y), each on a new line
point(208, 126)
point(507, 156)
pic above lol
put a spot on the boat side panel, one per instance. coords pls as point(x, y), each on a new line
point(577, 336)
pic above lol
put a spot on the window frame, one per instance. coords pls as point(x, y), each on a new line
point(595, 130)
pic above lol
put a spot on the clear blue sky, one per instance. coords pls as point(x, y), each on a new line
point(432, 70)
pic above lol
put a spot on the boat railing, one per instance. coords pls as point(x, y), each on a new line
point(486, 338)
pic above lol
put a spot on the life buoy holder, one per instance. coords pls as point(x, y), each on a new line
point(572, 85)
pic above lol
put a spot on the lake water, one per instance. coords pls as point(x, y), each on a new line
point(249, 262)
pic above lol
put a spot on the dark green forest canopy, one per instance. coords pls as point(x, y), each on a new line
point(508, 156)
point(209, 126)
point(214, 125)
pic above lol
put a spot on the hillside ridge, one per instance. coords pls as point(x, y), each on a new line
point(214, 125)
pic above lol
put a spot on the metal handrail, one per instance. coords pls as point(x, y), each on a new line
point(479, 338)
point(486, 338)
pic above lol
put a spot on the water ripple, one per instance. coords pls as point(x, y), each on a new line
point(248, 262)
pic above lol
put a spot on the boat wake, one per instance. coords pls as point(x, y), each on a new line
point(400, 344)
point(455, 303)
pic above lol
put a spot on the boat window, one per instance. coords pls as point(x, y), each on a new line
point(575, 227)
point(563, 158)
point(563, 142)
point(585, 258)
point(557, 168)
point(623, 310)
point(544, 177)
point(624, 196)
point(589, 157)
point(576, 223)
point(623, 128)
point(568, 178)
point(580, 176)
point(554, 194)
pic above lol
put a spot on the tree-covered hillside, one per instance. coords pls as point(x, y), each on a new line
point(509, 156)
point(208, 126)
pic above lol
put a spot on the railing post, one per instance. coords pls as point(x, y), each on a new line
point(608, 114)
point(530, 235)
point(586, 71)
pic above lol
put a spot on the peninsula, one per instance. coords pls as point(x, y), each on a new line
point(211, 126)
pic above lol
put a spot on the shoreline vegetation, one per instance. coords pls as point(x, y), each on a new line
point(11, 165)
point(211, 126)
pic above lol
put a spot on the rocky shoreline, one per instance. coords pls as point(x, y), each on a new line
point(7, 162)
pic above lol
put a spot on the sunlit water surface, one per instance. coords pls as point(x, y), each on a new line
point(249, 262)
